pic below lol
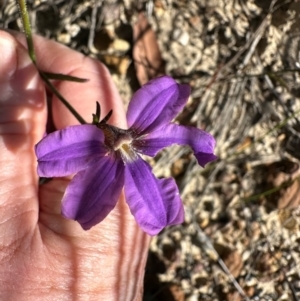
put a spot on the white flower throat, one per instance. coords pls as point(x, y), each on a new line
point(119, 141)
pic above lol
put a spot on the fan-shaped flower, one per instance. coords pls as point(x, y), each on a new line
point(105, 159)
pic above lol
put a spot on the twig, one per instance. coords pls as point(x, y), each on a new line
point(208, 247)
point(93, 27)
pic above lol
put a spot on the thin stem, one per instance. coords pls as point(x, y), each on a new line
point(27, 28)
point(62, 99)
point(65, 77)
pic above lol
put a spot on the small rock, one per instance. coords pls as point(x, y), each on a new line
point(120, 45)
point(181, 37)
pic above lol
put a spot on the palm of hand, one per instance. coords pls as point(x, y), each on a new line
point(44, 256)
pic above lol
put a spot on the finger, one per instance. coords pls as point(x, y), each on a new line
point(53, 57)
point(120, 247)
point(22, 124)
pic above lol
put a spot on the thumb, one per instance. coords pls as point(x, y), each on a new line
point(22, 123)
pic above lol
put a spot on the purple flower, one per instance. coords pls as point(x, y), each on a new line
point(105, 159)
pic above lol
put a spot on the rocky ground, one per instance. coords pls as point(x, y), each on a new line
point(240, 239)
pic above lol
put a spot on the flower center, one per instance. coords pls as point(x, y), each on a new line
point(119, 141)
point(123, 145)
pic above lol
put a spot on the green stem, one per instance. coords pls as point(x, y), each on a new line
point(62, 99)
point(27, 28)
point(65, 77)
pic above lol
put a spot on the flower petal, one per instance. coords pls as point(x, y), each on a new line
point(154, 203)
point(94, 192)
point(70, 150)
point(200, 141)
point(156, 104)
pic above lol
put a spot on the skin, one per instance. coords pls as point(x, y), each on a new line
point(42, 255)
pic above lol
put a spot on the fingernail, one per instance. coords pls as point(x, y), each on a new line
point(8, 55)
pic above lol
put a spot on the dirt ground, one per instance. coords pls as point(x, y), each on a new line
point(240, 239)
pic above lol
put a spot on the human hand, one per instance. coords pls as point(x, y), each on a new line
point(42, 255)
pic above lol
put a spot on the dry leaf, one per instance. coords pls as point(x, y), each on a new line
point(285, 175)
point(287, 219)
point(291, 196)
point(146, 54)
point(246, 143)
point(234, 263)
